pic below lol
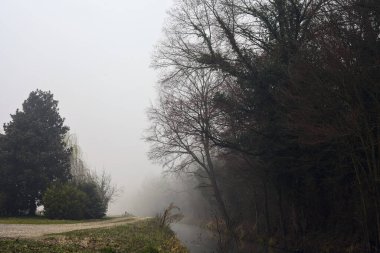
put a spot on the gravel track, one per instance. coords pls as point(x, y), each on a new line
point(32, 231)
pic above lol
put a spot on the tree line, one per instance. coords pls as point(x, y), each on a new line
point(40, 164)
point(273, 105)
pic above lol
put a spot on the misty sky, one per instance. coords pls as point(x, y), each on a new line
point(94, 56)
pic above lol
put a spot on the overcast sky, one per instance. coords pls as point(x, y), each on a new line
point(94, 56)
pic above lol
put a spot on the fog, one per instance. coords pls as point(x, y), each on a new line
point(94, 56)
point(157, 192)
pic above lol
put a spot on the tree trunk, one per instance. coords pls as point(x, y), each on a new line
point(282, 216)
point(268, 228)
point(32, 207)
point(217, 193)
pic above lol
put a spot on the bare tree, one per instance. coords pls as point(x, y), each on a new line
point(182, 125)
point(108, 190)
point(230, 35)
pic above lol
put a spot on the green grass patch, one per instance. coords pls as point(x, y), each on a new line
point(42, 220)
point(140, 237)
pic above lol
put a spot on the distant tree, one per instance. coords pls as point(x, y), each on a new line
point(35, 152)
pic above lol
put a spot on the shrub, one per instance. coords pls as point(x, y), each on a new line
point(74, 201)
point(65, 201)
point(171, 214)
point(95, 207)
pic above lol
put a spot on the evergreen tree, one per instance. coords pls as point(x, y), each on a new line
point(35, 152)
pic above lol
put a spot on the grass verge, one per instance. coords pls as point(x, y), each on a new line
point(140, 237)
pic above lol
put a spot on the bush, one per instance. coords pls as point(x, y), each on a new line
point(65, 201)
point(95, 208)
point(74, 201)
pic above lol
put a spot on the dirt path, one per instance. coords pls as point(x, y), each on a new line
point(30, 231)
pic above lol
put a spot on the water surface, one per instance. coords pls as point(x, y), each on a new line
point(199, 240)
point(196, 239)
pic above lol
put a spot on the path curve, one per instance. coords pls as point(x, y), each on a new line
point(34, 230)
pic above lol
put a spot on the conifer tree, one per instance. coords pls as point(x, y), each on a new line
point(35, 152)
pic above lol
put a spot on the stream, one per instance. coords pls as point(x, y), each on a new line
point(196, 239)
point(199, 240)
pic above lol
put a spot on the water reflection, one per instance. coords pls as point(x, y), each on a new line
point(199, 240)
point(196, 239)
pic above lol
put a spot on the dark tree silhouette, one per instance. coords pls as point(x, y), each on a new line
point(300, 112)
point(34, 151)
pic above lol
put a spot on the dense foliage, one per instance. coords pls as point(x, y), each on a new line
point(33, 153)
point(70, 201)
point(95, 207)
point(274, 106)
point(65, 201)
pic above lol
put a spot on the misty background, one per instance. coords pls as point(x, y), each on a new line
point(94, 56)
